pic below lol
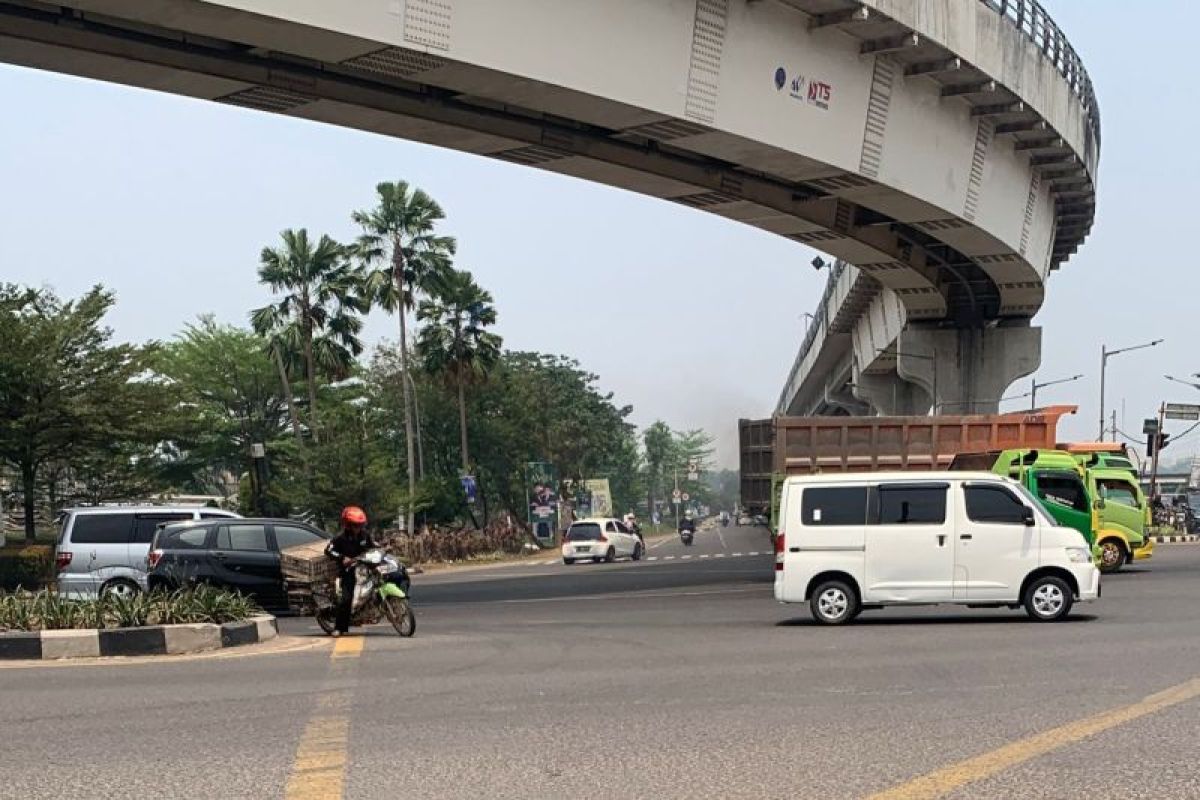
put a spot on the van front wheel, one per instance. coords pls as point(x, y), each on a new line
point(1048, 599)
point(834, 603)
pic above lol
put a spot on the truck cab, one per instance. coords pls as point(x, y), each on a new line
point(1076, 496)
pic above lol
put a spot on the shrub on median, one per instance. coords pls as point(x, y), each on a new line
point(431, 546)
point(29, 567)
point(36, 611)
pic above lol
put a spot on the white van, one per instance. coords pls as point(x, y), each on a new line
point(862, 541)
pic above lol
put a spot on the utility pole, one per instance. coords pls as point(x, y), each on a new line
point(1114, 425)
point(1162, 409)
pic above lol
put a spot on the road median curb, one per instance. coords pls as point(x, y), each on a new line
point(1184, 539)
point(150, 640)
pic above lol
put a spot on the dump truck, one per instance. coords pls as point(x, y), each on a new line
point(775, 448)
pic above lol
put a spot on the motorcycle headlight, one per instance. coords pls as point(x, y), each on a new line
point(373, 557)
point(1079, 555)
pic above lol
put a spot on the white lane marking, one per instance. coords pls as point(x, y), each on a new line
point(754, 553)
point(551, 561)
point(682, 557)
point(652, 558)
point(735, 555)
point(667, 558)
point(704, 555)
point(718, 555)
point(619, 596)
point(721, 536)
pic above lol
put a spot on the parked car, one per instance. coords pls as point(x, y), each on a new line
point(238, 554)
point(102, 550)
point(601, 539)
point(854, 542)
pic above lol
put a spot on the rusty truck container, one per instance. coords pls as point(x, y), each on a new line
point(808, 445)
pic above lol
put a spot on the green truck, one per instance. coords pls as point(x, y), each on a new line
point(1105, 504)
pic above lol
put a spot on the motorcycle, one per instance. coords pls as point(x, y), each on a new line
point(686, 535)
point(381, 586)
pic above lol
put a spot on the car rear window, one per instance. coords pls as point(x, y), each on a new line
point(101, 528)
point(587, 532)
point(183, 538)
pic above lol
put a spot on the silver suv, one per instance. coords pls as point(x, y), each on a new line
point(103, 550)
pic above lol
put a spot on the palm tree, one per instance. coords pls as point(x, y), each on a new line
point(321, 298)
point(404, 258)
point(281, 347)
point(454, 342)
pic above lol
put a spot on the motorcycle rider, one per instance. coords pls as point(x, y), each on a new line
point(687, 524)
point(632, 523)
point(347, 546)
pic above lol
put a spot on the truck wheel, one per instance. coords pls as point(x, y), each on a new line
point(834, 603)
point(1048, 599)
point(1112, 555)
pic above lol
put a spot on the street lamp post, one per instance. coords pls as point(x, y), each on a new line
point(1185, 383)
point(1105, 354)
point(1034, 386)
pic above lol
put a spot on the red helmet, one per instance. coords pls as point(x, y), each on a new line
point(353, 515)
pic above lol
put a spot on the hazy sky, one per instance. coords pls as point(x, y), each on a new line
point(688, 317)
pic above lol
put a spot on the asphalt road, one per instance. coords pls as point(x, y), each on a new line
point(669, 679)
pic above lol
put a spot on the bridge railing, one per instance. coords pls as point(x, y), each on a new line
point(1032, 20)
point(814, 328)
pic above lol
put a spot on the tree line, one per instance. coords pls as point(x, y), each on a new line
point(294, 418)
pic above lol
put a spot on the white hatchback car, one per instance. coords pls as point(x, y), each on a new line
point(600, 539)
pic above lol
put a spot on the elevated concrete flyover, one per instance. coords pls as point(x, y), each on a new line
point(946, 148)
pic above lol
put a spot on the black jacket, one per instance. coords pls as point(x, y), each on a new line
point(348, 545)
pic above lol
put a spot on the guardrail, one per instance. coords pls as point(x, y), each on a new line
point(1032, 20)
point(814, 327)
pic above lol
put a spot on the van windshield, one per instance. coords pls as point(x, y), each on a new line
point(1038, 511)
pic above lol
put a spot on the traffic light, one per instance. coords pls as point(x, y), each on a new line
point(1156, 441)
point(1162, 439)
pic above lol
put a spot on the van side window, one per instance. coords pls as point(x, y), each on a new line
point(994, 504)
point(102, 529)
point(912, 505)
point(1064, 490)
point(145, 525)
point(842, 505)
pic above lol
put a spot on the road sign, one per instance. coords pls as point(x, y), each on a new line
point(1188, 411)
point(677, 495)
point(693, 466)
point(1150, 425)
point(693, 476)
point(686, 497)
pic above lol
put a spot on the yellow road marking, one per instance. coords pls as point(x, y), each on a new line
point(348, 647)
point(943, 781)
point(319, 768)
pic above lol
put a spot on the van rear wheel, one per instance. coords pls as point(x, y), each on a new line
point(834, 603)
point(120, 589)
point(1048, 599)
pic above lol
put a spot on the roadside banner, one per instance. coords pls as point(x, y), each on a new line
point(600, 496)
point(542, 500)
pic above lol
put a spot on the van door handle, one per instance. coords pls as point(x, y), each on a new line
point(966, 536)
point(941, 540)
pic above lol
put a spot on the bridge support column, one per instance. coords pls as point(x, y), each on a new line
point(890, 395)
point(967, 371)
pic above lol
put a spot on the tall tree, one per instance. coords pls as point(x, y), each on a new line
point(405, 258)
point(657, 441)
point(321, 296)
point(455, 342)
point(224, 385)
point(66, 394)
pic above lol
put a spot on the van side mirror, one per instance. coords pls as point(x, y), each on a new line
point(1099, 504)
point(1028, 518)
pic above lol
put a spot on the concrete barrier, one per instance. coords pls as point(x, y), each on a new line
point(151, 640)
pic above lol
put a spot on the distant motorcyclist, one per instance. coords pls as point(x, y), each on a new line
point(344, 548)
point(631, 523)
point(687, 524)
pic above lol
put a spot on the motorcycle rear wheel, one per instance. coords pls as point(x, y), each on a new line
point(400, 614)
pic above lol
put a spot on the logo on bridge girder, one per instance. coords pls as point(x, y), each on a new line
point(806, 90)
